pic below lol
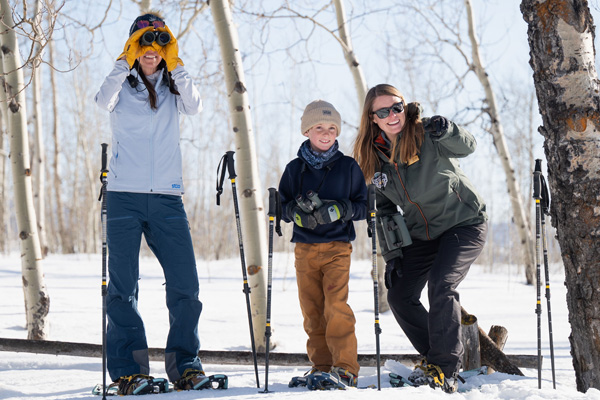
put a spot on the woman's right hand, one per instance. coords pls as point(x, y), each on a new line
point(170, 52)
point(133, 49)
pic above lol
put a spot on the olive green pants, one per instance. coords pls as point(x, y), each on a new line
point(323, 273)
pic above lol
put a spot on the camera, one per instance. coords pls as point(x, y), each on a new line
point(161, 38)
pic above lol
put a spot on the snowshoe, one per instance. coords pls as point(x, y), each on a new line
point(134, 385)
point(399, 381)
point(300, 381)
point(324, 381)
point(193, 379)
point(347, 377)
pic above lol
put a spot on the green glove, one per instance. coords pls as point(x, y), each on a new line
point(330, 211)
point(302, 219)
point(170, 52)
point(132, 49)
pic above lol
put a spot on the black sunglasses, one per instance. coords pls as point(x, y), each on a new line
point(384, 112)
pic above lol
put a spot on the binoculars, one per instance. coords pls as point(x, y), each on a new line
point(310, 204)
point(162, 38)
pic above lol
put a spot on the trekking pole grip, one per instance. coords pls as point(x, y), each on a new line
point(371, 197)
point(272, 202)
point(104, 156)
point(230, 164)
point(537, 179)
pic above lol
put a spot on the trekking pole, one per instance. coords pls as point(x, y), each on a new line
point(227, 162)
point(372, 231)
point(274, 219)
point(103, 179)
point(537, 172)
point(544, 200)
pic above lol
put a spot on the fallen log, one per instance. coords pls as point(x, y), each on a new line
point(223, 357)
point(491, 355)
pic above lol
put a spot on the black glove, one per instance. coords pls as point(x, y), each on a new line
point(392, 267)
point(330, 211)
point(438, 125)
point(302, 219)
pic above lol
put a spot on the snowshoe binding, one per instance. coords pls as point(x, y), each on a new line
point(134, 385)
point(194, 379)
point(300, 381)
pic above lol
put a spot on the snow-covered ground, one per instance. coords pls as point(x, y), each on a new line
point(499, 297)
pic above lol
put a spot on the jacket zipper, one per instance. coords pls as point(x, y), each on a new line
point(412, 202)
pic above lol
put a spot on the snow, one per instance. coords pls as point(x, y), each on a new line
point(497, 296)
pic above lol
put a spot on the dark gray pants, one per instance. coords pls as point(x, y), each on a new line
point(442, 263)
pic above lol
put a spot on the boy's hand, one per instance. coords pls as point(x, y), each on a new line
point(330, 211)
point(302, 219)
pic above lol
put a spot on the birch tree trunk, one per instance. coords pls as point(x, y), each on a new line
point(40, 161)
point(497, 131)
point(360, 83)
point(253, 217)
point(3, 178)
point(357, 73)
point(561, 40)
point(62, 237)
point(37, 302)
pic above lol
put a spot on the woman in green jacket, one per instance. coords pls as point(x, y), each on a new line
point(413, 163)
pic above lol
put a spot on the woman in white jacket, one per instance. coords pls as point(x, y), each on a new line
point(145, 93)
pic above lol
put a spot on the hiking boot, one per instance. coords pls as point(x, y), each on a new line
point(345, 376)
point(192, 379)
point(432, 375)
point(136, 384)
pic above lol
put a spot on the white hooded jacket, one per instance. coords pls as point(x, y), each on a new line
point(145, 151)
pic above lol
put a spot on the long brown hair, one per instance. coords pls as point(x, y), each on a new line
point(152, 96)
point(407, 143)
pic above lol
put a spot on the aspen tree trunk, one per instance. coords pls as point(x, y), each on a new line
point(357, 73)
point(251, 196)
point(40, 161)
point(360, 83)
point(62, 237)
point(561, 40)
point(497, 131)
point(37, 302)
point(3, 178)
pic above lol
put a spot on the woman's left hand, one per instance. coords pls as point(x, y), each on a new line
point(170, 52)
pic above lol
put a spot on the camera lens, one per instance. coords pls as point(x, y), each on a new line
point(163, 38)
point(147, 38)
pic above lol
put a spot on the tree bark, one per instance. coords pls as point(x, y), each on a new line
point(40, 149)
point(62, 236)
point(561, 40)
point(499, 139)
point(253, 216)
point(37, 301)
point(360, 84)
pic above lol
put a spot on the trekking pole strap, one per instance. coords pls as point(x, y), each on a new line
point(275, 209)
point(371, 205)
point(103, 170)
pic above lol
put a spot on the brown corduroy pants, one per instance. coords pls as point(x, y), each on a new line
point(323, 273)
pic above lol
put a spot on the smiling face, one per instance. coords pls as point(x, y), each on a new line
point(149, 62)
point(392, 124)
point(322, 136)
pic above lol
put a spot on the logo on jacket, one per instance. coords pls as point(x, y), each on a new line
point(175, 186)
point(380, 180)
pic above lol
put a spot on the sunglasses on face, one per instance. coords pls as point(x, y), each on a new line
point(144, 24)
point(385, 112)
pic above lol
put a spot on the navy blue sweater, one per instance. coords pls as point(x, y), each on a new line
point(340, 178)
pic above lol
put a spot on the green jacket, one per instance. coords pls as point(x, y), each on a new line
point(433, 192)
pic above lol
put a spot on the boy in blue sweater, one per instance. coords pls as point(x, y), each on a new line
point(322, 192)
